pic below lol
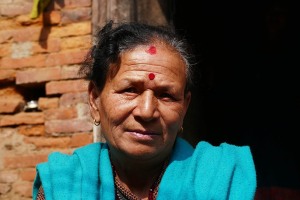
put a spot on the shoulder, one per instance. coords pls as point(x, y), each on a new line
point(90, 149)
point(74, 168)
point(224, 151)
point(224, 171)
point(82, 155)
point(206, 146)
point(182, 149)
point(63, 161)
point(227, 166)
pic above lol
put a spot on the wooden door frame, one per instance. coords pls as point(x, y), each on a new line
point(148, 11)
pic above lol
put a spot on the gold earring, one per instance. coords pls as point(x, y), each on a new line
point(97, 123)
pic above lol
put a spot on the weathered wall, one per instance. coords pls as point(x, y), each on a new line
point(39, 60)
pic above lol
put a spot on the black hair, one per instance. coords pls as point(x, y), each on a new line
point(114, 39)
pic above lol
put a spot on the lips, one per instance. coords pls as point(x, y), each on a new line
point(144, 132)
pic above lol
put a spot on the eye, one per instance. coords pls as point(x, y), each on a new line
point(130, 90)
point(166, 97)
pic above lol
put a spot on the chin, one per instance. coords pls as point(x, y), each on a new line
point(142, 152)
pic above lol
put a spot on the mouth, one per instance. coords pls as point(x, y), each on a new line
point(143, 134)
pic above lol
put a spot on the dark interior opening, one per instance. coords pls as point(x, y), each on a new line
point(32, 92)
point(248, 93)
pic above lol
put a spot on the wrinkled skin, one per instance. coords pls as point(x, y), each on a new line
point(140, 118)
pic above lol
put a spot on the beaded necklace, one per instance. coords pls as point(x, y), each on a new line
point(123, 193)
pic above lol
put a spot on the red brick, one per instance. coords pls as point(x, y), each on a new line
point(31, 130)
point(6, 35)
point(71, 99)
point(21, 50)
point(5, 50)
point(8, 23)
point(81, 139)
point(42, 142)
point(28, 174)
point(11, 105)
point(23, 161)
point(49, 46)
point(47, 103)
point(83, 110)
point(7, 76)
point(25, 20)
point(60, 113)
point(4, 188)
point(6, 1)
point(46, 74)
point(8, 176)
point(12, 9)
point(22, 118)
point(32, 61)
point(76, 15)
point(38, 75)
point(31, 33)
point(70, 72)
point(73, 3)
point(83, 42)
point(10, 92)
point(52, 17)
point(66, 58)
point(60, 87)
point(68, 126)
point(74, 29)
point(23, 188)
point(21, 1)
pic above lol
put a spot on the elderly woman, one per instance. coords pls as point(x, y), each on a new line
point(139, 80)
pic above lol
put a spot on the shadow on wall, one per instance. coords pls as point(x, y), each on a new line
point(49, 19)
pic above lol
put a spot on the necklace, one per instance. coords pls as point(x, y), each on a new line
point(123, 193)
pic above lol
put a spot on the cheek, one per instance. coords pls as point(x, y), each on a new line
point(109, 122)
point(173, 117)
point(115, 110)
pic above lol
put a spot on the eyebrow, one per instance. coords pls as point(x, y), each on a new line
point(140, 81)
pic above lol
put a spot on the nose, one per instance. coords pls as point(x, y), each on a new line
point(146, 108)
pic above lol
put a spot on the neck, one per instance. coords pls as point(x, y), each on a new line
point(138, 177)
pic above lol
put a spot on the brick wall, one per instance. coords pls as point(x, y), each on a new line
point(39, 59)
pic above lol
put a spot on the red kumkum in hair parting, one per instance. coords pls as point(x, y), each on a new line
point(151, 50)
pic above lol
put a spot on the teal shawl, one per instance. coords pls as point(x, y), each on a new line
point(206, 172)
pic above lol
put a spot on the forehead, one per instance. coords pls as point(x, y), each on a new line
point(157, 58)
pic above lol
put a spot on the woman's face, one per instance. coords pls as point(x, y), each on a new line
point(141, 108)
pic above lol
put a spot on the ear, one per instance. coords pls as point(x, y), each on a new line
point(187, 100)
point(94, 96)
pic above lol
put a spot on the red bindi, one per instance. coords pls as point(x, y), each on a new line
point(151, 50)
point(151, 76)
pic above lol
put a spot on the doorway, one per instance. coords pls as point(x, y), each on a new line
point(249, 91)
